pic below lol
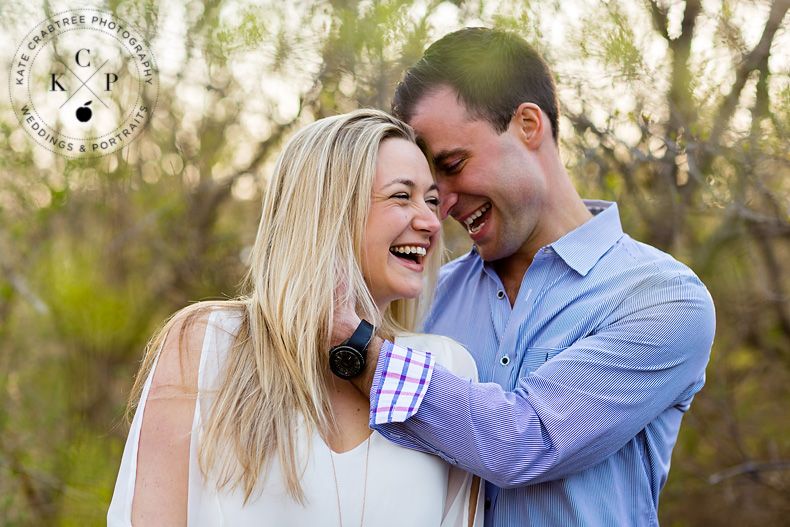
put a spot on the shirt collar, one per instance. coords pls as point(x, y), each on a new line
point(581, 248)
point(585, 245)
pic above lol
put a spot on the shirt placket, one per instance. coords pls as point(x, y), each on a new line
point(500, 314)
point(519, 330)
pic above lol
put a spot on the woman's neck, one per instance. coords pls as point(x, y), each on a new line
point(352, 409)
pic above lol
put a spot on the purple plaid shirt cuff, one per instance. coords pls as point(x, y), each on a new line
point(399, 385)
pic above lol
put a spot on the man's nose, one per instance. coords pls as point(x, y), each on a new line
point(447, 198)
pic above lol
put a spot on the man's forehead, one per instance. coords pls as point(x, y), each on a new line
point(444, 101)
point(442, 121)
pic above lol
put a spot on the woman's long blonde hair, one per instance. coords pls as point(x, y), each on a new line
point(310, 239)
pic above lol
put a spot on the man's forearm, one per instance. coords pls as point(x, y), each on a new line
point(575, 410)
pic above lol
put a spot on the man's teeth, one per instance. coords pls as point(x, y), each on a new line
point(409, 249)
point(473, 230)
point(479, 212)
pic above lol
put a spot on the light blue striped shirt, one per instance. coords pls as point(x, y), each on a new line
point(583, 382)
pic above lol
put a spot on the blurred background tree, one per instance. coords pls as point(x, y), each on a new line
point(678, 110)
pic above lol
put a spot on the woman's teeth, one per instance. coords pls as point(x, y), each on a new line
point(479, 212)
point(409, 249)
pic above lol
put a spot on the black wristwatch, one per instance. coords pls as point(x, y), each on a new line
point(348, 359)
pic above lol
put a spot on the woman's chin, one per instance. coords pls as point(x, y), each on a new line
point(411, 295)
point(410, 291)
point(400, 294)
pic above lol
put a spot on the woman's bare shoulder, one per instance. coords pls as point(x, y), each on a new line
point(184, 336)
point(162, 476)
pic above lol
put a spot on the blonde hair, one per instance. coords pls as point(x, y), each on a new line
point(309, 239)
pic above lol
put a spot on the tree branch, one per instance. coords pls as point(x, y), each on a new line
point(659, 15)
point(750, 62)
point(750, 467)
point(693, 9)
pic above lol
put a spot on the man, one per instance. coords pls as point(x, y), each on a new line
point(590, 345)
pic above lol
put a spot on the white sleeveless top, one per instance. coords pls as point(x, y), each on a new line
point(405, 488)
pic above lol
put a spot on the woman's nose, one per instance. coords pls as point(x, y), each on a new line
point(427, 220)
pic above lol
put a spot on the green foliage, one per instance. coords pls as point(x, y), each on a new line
point(89, 478)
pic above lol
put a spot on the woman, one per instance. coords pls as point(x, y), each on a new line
point(239, 420)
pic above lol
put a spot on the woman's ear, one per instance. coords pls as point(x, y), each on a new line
point(530, 123)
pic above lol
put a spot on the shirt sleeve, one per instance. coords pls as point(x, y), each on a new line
point(581, 406)
point(402, 375)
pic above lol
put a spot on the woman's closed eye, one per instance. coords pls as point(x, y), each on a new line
point(432, 201)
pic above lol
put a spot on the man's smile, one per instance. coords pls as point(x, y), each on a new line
point(475, 221)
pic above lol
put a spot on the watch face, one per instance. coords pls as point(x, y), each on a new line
point(346, 362)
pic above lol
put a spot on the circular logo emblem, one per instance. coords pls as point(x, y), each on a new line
point(84, 83)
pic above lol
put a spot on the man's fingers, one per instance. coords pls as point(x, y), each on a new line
point(345, 319)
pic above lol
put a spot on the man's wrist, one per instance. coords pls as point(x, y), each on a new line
point(343, 328)
point(364, 381)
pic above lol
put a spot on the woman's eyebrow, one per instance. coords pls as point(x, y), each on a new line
point(401, 181)
point(408, 182)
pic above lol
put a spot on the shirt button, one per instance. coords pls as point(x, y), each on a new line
point(504, 361)
point(500, 294)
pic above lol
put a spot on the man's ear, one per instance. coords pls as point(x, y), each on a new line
point(530, 124)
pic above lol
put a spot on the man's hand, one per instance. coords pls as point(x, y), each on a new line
point(344, 323)
point(345, 319)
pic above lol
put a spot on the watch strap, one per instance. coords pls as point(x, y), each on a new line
point(361, 337)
